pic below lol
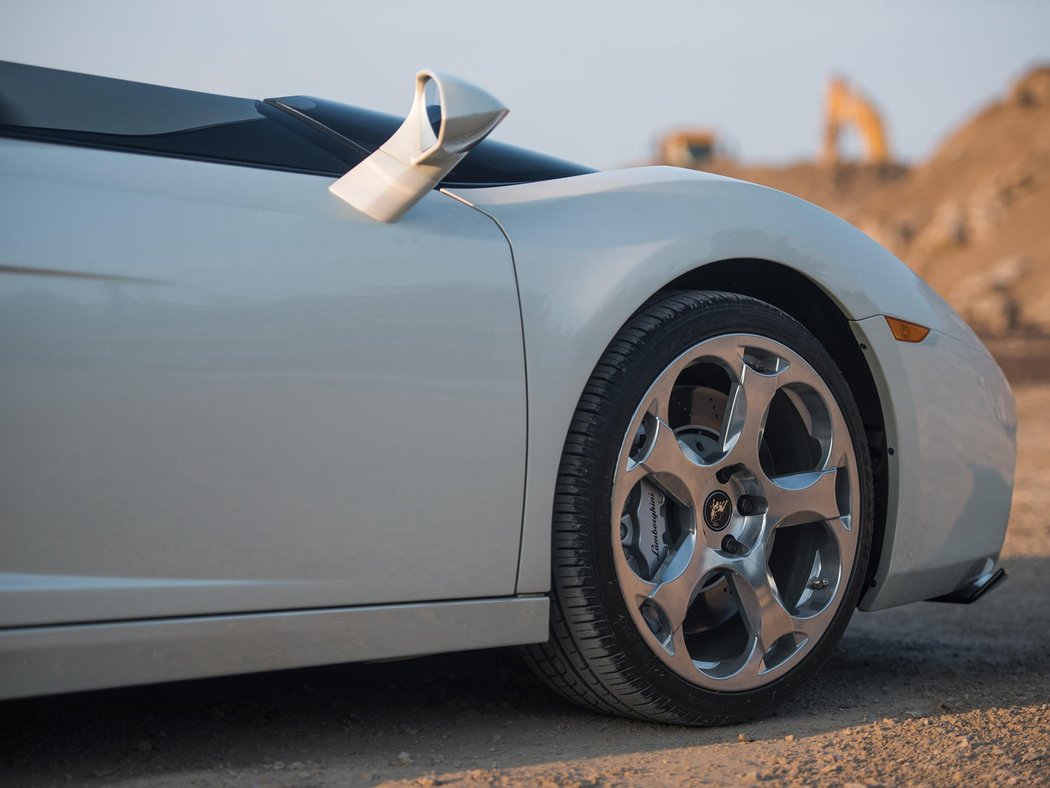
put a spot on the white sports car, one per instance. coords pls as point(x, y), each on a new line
point(288, 383)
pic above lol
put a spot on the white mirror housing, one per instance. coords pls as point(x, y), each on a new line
point(415, 159)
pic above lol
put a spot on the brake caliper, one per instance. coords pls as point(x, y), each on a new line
point(644, 529)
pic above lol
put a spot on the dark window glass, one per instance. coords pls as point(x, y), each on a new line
point(297, 133)
point(61, 106)
point(261, 142)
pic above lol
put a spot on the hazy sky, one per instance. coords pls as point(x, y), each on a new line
point(591, 81)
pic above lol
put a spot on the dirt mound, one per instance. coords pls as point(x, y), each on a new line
point(973, 220)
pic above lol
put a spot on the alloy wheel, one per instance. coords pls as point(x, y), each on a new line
point(732, 505)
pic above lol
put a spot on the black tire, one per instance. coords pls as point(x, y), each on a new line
point(596, 656)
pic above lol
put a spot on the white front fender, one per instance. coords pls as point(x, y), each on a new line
point(590, 250)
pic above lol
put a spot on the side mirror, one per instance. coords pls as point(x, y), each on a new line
point(415, 159)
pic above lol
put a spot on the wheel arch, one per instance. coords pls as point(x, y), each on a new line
point(589, 251)
point(803, 299)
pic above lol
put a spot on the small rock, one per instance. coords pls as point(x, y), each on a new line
point(404, 758)
point(789, 737)
point(745, 737)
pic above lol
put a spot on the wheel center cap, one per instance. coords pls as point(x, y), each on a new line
point(718, 510)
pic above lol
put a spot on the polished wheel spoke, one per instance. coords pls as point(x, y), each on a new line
point(745, 417)
point(664, 460)
point(764, 614)
point(811, 627)
point(626, 479)
point(675, 594)
point(749, 673)
point(656, 405)
point(803, 497)
point(635, 589)
point(666, 456)
point(674, 597)
point(659, 399)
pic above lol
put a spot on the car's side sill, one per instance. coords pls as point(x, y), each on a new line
point(45, 660)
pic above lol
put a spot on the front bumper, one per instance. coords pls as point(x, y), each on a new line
point(951, 427)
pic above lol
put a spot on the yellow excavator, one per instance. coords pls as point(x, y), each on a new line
point(846, 106)
point(688, 148)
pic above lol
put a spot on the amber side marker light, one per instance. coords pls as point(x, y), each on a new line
point(903, 331)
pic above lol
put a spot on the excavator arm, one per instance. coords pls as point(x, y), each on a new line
point(846, 106)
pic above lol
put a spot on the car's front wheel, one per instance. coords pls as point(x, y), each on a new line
point(713, 515)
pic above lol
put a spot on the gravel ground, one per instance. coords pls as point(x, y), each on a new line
point(927, 694)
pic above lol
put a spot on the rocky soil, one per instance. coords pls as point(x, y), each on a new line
point(926, 694)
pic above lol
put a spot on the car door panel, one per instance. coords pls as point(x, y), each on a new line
point(222, 389)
